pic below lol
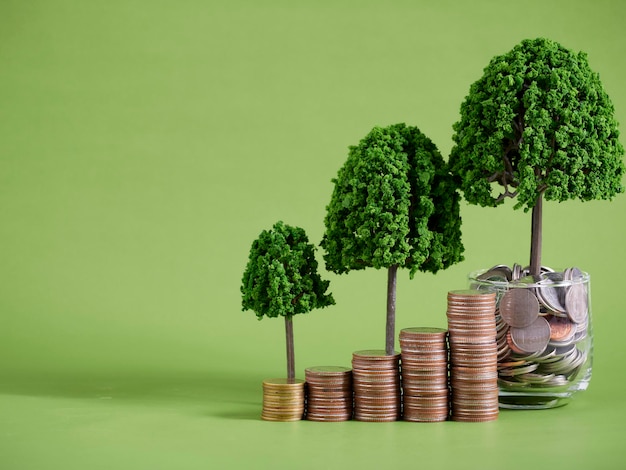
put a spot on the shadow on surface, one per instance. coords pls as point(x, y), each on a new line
point(247, 413)
point(193, 388)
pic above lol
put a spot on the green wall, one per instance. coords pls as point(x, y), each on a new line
point(145, 144)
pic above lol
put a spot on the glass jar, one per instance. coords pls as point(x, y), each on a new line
point(544, 334)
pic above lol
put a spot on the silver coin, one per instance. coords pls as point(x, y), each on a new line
point(555, 381)
point(554, 276)
point(511, 382)
point(517, 371)
point(576, 303)
point(535, 379)
point(519, 307)
point(499, 273)
point(579, 336)
point(529, 279)
point(532, 338)
point(548, 355)
point(529, 357)
point(577, 274)
point(567, 362)
point(550, 296)
point(578, 361)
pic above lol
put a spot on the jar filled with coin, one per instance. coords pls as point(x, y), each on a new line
point(543, 331)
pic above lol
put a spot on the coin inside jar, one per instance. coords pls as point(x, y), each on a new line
point(519, 307)
point(576, 303)
point(561, 328)
point(550, 296)
point(532, 338)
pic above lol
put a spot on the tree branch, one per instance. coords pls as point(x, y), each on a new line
point(506, 194)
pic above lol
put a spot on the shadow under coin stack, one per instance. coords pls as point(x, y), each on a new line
point(424, 354)
point(283, 400)
point(473, 355)
point(376, 383)
point(329, 393)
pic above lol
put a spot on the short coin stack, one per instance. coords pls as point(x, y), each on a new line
point(283, 399)
point(376, 383)
point(473, 355)
point(329, 393)
point(424, 354)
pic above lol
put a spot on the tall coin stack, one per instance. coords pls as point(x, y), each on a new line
point(424, 355)
point(376, 383)
point(473, 355)
point(283, 399)
point(329, 393)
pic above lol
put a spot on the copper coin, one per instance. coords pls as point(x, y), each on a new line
point(471, 294)
point(327, 370)
point(376, 418)
point(423, 332)
point(416, 405)
point(421, 419)
point(375, 354)
point(511, 344)
point(329, 419)
point(424, 356)
point(475, 338)
point(561, 328)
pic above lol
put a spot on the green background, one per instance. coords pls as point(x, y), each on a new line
point(145, 144)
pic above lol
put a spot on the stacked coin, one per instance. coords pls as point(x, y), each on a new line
point(283, 400)
point(424, 356)
point(376, 383)
point(473, 355)
point(329, 393)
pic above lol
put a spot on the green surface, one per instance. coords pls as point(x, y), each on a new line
point(145, 145)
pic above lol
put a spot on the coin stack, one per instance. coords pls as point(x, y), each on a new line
point(424, 356)
point(283, 399)
point(329, 393)
point(376, 382)
point(473, 355)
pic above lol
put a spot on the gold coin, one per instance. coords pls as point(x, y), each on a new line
point(282, 382)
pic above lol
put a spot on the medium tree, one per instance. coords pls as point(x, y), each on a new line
point(281, 279)
point(539, 124)
point(394, 205)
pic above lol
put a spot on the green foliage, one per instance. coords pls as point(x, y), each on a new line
point(281, 276)
point(393, 203)
point(537, 122)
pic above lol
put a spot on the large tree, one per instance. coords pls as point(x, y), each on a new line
point(538, 124)
point(281, 279)
point(394, 205)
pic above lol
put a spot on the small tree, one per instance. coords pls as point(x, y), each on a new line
point(393, 205)
point(539, 124)
point(281, 279)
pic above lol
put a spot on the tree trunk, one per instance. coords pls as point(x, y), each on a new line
point(291, 362)
point(535, 237)
point(391, 310)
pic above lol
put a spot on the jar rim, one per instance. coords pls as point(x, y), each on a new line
point(473, 276)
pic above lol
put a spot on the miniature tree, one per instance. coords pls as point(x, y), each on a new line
point(539, 124)
point(394, 205)
point(281, 279)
